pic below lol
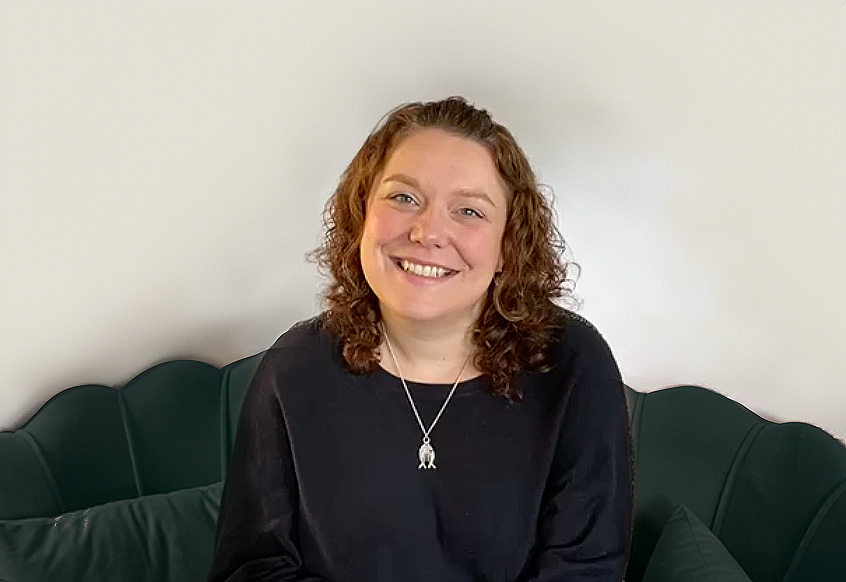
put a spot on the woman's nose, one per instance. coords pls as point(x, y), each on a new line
point(428, 229)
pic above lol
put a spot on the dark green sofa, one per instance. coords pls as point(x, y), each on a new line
point(105, 484)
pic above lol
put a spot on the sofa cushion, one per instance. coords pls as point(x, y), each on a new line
point(155, 538)
point(687, 551)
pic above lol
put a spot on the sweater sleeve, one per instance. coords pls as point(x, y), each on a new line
point(256, 529)
point(585, 523)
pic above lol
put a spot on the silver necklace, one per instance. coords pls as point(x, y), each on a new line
point(426, 453)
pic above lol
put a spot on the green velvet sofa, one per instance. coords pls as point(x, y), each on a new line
point(123, 485)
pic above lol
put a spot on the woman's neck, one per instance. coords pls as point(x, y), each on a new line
point(427, 352)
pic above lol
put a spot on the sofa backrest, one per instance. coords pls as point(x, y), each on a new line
point(170, 428)
point(775, 494)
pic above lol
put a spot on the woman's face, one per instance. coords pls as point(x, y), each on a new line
point(433, 229)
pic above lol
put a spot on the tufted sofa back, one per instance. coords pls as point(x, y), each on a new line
point(775, 494)
point(169, 428)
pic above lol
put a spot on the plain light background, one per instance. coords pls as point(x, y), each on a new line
point(164, 165)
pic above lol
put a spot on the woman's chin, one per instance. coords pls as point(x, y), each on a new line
point(425, 313)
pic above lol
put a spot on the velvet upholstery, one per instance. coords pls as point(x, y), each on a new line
point(167, 536)
point(774, 494)
point(687, 551)
point(169, 428)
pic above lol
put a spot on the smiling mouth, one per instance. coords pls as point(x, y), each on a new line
point(429, 271)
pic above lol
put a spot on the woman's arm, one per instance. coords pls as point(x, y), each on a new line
point(585, 524)
point(257, 523)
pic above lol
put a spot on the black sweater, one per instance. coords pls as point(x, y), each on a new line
point(324, 485)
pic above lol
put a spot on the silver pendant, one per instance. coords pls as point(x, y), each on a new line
point(426, 454)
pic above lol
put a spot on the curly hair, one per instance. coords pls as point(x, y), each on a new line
point(516, 325)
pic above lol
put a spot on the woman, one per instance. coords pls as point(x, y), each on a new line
point(443, 420)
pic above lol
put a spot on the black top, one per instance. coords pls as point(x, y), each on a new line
point(324, 484)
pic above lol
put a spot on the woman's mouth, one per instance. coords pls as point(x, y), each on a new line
point(430, 271)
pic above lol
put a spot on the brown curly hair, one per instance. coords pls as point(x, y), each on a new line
point(516, 326)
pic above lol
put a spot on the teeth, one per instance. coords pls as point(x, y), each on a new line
point(423, 270)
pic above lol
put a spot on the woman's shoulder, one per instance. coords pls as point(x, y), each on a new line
point(572, 326)
point(578, 337)
point(307, 342)
point(307, 348)
point(306, 334)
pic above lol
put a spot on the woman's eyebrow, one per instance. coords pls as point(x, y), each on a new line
point(477, 194)
point(409, 181)
point(403, 179)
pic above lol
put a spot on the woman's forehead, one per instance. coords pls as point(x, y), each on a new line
point(431, 155)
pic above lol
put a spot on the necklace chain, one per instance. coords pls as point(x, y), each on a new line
point(426, 453)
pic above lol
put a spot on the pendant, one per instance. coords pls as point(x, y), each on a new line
point(426, 454)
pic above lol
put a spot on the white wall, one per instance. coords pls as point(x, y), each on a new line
point(163, 167)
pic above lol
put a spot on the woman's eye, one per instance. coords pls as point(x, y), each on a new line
point(402, 197)
point(470, 212)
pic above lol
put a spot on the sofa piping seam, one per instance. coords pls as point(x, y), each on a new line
point(225, 435)
point(731, 478)
point(129, 443)
point(640, 403)
point(42, 461)
point(812, 528)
